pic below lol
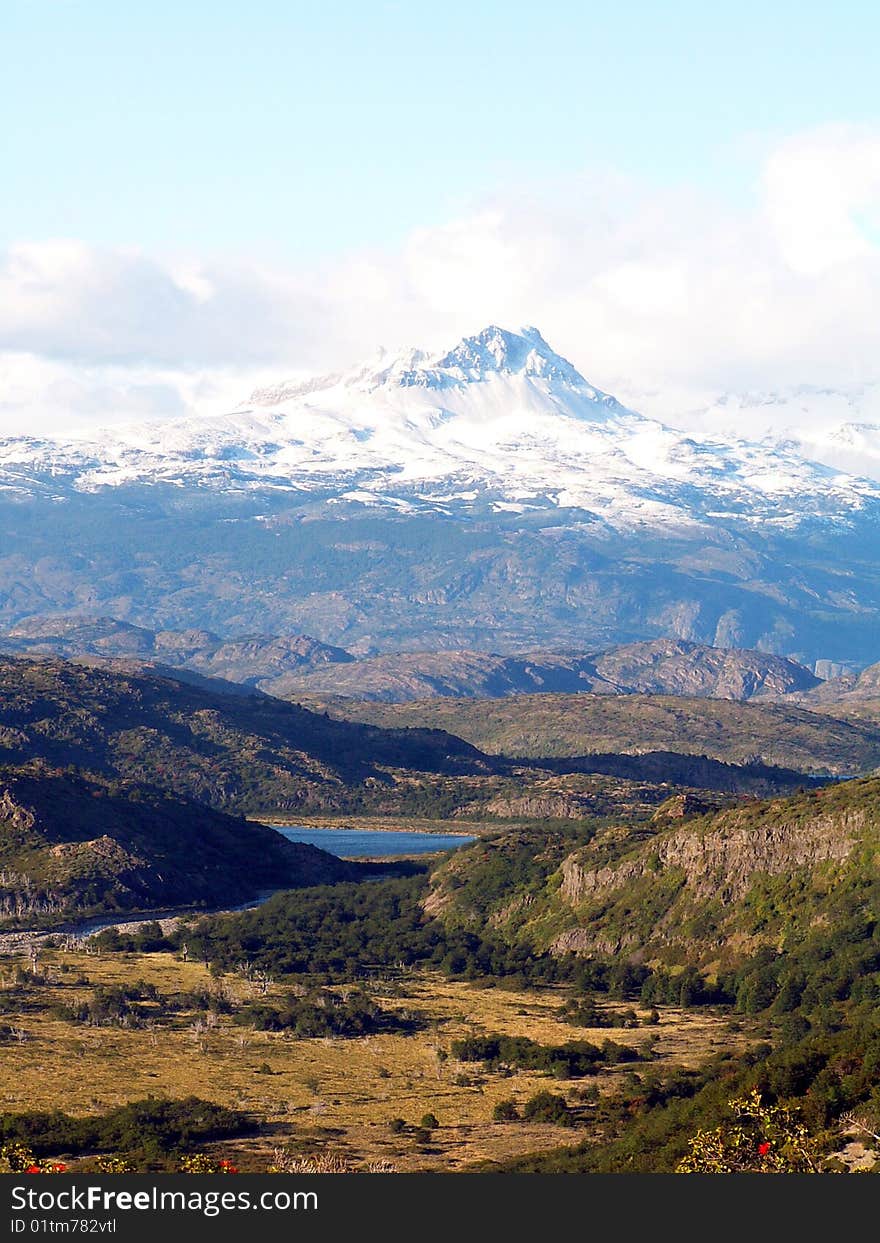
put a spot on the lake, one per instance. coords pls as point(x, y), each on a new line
point(372, 843)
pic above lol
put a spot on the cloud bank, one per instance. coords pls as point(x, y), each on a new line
point(649, 291)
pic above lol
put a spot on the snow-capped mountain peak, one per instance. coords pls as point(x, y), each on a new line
point(494, 352)
point(450, 493)
point(497, 351)
point(500, 421)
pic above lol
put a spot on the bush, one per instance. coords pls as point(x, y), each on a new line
point(756, 1138)
point(572, 1060)
point(547, 1107)
point(324, 1013)
point(586, 1014)
point(153, 1126)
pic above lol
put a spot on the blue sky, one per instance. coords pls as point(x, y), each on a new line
point(199, 197)
point(304, 129)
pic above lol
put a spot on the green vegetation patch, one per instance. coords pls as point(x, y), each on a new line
point(571, 1060)
point(152, 1127)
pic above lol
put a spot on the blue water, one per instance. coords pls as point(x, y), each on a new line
point(372, 843)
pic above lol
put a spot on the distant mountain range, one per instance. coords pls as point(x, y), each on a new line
point(298, 665)
point(658, 667)
point(486, 497)
point(838, 425)
point(499, 423)
point(249, 659)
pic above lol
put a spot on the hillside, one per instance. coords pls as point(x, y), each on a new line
point(248, 753)
point(710, 889)
point(776, 734)
point(71, 844)
point(675, 667)
point(662, 666)
point(850, 695)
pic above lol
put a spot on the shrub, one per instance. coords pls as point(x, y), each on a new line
point(757, 1138)
point(547, 1107)
point(202, 1163)
point(153, 1126)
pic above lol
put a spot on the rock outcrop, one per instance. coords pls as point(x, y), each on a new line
point(744, 875)
point(722, 861)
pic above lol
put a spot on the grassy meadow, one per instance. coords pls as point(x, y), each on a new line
point(362, 1098)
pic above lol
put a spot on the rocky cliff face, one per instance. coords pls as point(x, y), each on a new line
point(540, 806)
point(741, 876)
point(12, 814)
point(722, 862)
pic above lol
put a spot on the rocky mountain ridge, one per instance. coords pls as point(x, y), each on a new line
point(292, 665)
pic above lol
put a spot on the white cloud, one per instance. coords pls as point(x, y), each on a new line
point(644, 289)
point(818, 187)
point(67, 300)
point(54, 396)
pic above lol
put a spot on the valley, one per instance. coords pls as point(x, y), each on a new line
point(125, 790)
point(323, 1094)
point(610, 960)
point(439, 617)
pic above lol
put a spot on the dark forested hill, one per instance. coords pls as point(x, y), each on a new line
point(72, 844)
point(243, 752)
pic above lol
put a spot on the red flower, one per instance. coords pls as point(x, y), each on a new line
point(59, 1168)
point(763, 1149)
point(33, 1169)
point(228, 1168)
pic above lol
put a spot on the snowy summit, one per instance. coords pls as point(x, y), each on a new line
point(499, 421)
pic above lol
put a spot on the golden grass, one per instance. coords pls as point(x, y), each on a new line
point(328, 1093)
